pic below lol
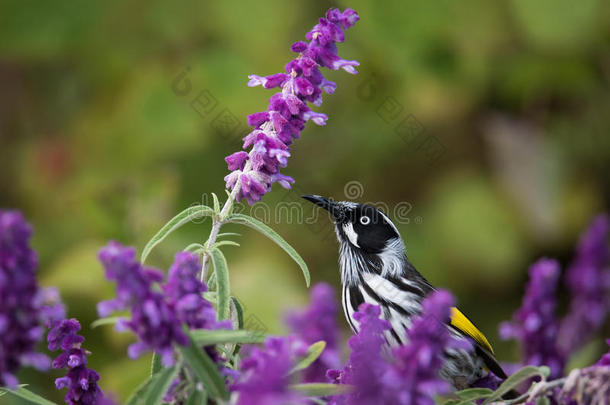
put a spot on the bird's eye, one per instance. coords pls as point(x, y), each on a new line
point(365, 220)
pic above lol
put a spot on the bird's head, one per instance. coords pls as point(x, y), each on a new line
point(362, 226)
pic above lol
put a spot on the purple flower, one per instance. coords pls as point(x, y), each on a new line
point(159, 312)
point(183, 291)
point(318, 322)
point(265, 373)
point(588, 280)
point(411, 374)
point(585, 386)
point(24, 307)
point(366, 366)
point(153, 320)
point(252, 174)
point(415, 375)
point(80, 380)
point(535, 324)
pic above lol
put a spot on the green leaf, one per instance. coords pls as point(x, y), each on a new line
point(111, 320)
point(513, 381)
point(313, 352)
point(189, 214)
point(321, 389)
point(197, 398)
point(225, 243)
point(27, 395)
point(222, 280)
point(474, 393)
point(216, 203)
point(543, 400)
point(545, 371)
point(194, 247)
point(274, 236)
point(221, 235)
point(230, 203)
point(152, 390)
point(205, 370)
point(210, 296)
point(155, 364)
point(212, 282)
point(240, 312)
point(205, 337)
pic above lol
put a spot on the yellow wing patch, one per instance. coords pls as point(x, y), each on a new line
point(459, 321)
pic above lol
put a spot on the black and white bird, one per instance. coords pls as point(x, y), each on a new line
point(375, 269)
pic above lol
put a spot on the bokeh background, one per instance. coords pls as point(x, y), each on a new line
point(484, 126)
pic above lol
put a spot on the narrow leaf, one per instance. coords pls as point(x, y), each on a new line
point(513, 381)
point(274, 236)
point(223, 234)
point(194, 248)
point(225, 243)
point(313, 352)
point(240, 312)
point(111, 320)
point(216, 203)
point(155, 364)
point(222, 280)
point(205, 337)
point(189, 214)
point(321, 389)
point(545, 371)
point(474, 393)
point(197, 398)
point(212, 282)
point(27, 395)
point(210, 296)
point(205, 370)
point(151, 392)
point(230, 203)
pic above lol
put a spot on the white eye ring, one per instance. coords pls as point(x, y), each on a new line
point(365, 220)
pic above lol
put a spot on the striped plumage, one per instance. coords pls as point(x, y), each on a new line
point(375, 269)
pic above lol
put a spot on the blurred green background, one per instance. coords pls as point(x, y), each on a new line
point(484, 126)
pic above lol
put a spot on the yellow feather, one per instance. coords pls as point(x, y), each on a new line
point(459, 321)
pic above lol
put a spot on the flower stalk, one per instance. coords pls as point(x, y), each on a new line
point(254, 172)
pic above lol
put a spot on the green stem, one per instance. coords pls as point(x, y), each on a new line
point(216, 224)
point(539, 389)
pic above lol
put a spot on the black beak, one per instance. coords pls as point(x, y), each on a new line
point(331, 206)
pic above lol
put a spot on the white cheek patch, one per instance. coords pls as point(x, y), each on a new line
point(351, 234)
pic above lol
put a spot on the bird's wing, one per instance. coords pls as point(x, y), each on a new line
point(483, 348)
point(463, 324)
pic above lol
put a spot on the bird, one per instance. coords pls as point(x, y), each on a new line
point(375, 269)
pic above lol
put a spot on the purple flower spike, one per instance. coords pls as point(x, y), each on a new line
point(253, 174)
point(315, 323)
point(366, 365)
point(153, 319)
point(265, 378)
point(535, 324)
point(80, 380)
point(588, 280)
point(158, 317)
point(184, 289)
point(411, 374)
point(24, 307)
